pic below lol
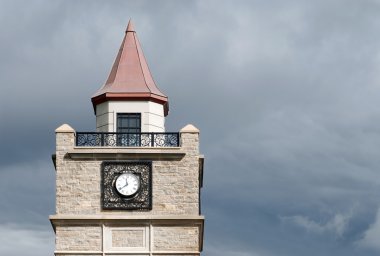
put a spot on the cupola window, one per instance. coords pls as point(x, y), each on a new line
point(129, 122)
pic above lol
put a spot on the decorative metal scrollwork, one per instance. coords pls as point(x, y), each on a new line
point(113, 139)
point(88, 139)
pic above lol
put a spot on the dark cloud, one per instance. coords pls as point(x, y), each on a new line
point(285, 94)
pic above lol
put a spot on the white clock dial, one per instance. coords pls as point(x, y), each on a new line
point(127, 184)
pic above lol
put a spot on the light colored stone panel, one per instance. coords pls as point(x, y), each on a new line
point(166, 238)
point(175, 254)
point(78, 189)
point(118, 254)
point(65, 254)
point(128, 238)
point(78, 238)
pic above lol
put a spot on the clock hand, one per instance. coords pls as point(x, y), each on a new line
point(126, 184)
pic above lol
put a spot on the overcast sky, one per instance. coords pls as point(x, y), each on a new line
point(285, 93)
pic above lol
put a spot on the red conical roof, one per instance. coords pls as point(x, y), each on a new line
point(130, 78)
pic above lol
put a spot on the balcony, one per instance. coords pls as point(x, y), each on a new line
point(114, 139)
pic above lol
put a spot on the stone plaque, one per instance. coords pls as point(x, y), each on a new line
point(126, 239)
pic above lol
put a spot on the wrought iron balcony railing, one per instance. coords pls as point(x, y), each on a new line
point(115, 139)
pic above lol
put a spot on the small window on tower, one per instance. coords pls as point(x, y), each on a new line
point(129, 122)
point(129, 128)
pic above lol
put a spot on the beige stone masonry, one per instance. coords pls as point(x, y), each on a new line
point(175, 223)
point(123, 153)
point(175, 181)
point(168, 238)
point(81, 254)
point(78, 238)
point(127, 238)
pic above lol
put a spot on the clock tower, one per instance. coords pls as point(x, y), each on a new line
point(130, 187)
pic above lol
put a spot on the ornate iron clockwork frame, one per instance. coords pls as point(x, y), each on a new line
point(111, 199)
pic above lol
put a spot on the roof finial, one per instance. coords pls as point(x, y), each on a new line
point(130, 27)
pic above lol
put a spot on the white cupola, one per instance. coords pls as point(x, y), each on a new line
point(130, 101)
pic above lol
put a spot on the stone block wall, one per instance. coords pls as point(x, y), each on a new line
point(175, 192)
point(176, 238)
point(175, 182)
point(127, 238)
point(76, 238)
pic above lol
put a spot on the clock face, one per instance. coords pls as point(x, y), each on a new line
point(127, 184)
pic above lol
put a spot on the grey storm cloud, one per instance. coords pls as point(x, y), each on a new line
point(285, 94)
